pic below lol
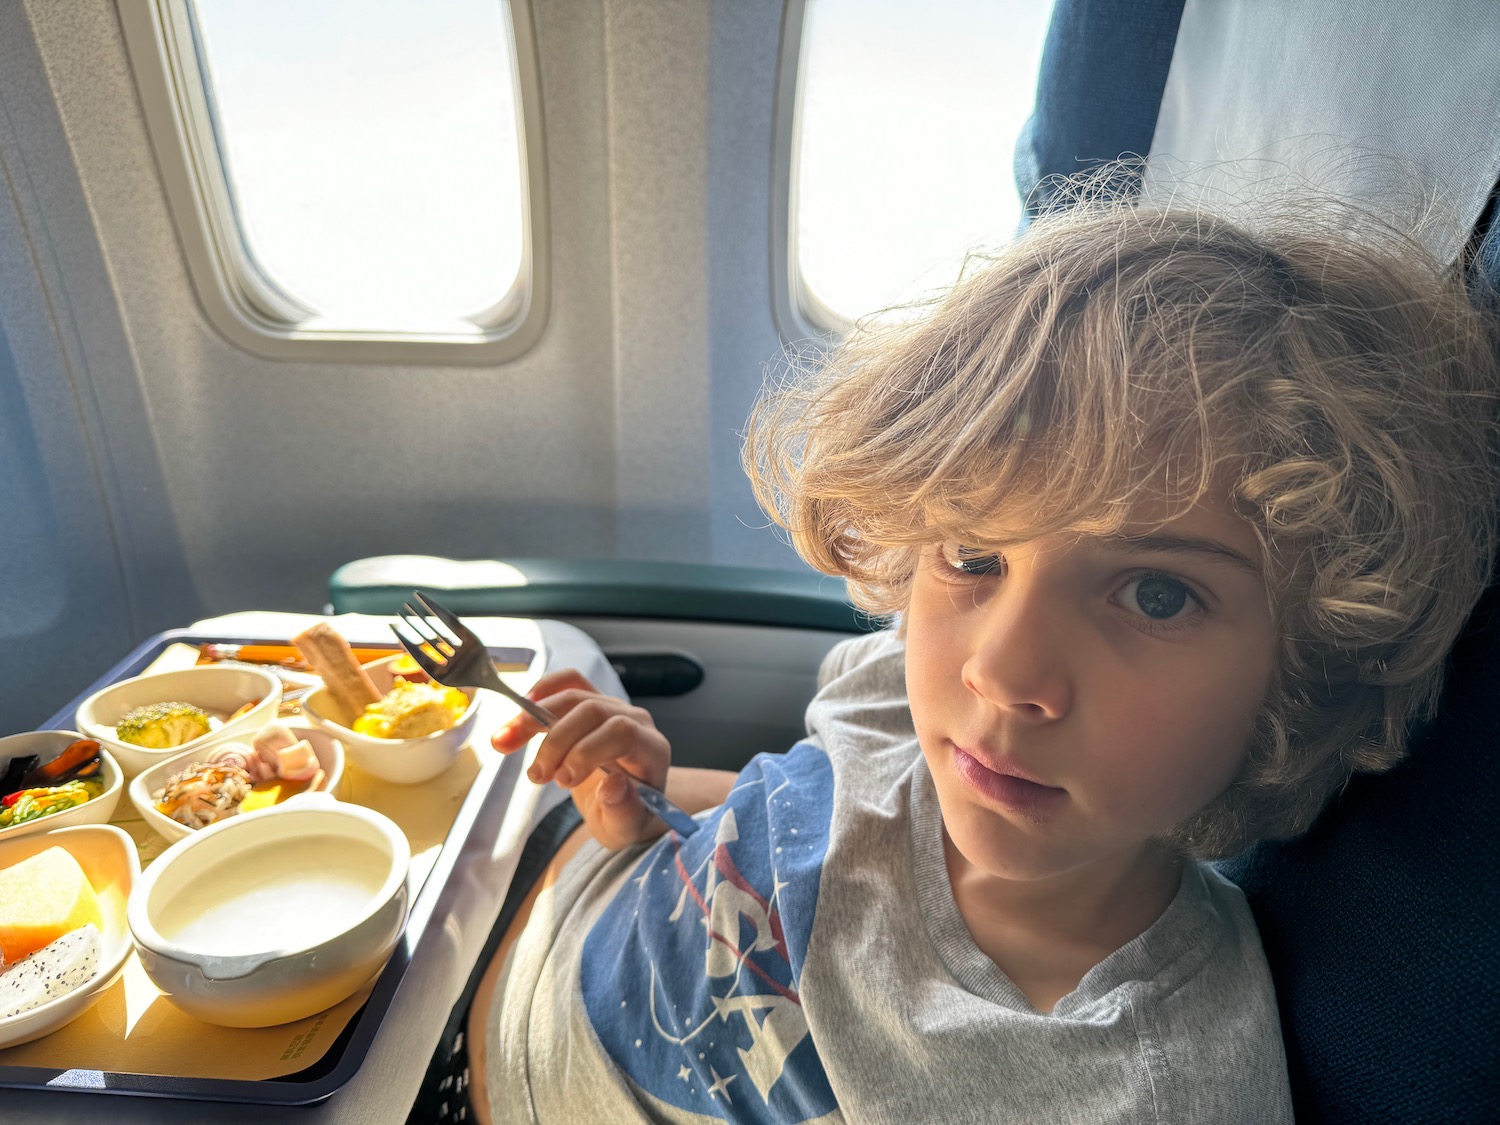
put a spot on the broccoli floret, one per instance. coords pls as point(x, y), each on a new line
point(161, 726)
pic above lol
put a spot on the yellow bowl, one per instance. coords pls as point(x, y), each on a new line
point(112, 865)
point(328, 749)
point(48, 744)
point(405, 761)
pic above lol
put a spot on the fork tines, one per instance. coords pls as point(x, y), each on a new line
point(431, 640)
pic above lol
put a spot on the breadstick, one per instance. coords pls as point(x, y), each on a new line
point(330, 656)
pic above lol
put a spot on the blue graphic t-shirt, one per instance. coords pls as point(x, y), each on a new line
point(800, 958)
point(691, 974)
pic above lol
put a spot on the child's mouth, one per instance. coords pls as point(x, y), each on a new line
point(1014, 793)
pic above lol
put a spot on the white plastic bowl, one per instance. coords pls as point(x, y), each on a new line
point(272, 916)
point(406, 761)
point(48, 744)
point(109, 859)
point(328, 749)
point(218, 688)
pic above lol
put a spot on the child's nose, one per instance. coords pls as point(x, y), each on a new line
point(1019, 653)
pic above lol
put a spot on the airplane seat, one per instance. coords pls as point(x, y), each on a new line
point(1382, 924)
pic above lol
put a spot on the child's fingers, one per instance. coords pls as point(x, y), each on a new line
point(614, 811)
point(638, 749)
point(561, 680)
point(514, 734)
point(594, 730)
point(521, 727)
point(580, 714)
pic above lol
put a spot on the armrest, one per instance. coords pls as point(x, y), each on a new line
point(600, 588)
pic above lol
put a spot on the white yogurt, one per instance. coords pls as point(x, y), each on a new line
point(285, 896)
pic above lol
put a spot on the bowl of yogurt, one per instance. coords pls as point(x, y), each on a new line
point(273, 915)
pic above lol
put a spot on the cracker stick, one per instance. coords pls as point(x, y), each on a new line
point(330, 656)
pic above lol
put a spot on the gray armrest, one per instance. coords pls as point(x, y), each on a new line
point(599, 588)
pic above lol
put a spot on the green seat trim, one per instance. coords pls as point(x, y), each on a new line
point(600, 588)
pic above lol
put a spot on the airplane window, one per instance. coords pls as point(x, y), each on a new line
point(906, 122)
point(359, 166)
point(372, 154)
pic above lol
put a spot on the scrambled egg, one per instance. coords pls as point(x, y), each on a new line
point(412, 710)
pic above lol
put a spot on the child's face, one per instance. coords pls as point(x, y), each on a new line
point(1085, 695)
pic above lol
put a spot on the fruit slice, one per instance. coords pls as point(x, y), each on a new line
point(42, 898)
point(274, 792)
point(52, 971)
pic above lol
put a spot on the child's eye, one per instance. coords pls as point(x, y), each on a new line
point(1158, 597)
point(972, 561)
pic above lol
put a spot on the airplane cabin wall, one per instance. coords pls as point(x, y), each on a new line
point(211, 480)
point(89, 553)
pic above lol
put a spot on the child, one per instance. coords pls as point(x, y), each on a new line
point(1179, 523)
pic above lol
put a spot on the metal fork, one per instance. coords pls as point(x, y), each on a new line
point(452, 655)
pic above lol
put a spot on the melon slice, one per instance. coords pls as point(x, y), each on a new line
point(42, 898)
point(56, 969)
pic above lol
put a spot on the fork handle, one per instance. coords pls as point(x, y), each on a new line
point(659, 803)
point(535, 710)
point(495, 683)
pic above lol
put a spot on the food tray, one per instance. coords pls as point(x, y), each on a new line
point(341, 1055)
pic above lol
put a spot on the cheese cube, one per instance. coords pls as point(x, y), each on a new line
point(42, 898)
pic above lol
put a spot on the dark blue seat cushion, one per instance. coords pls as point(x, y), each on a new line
point(1103, 69)
point(1382, 924)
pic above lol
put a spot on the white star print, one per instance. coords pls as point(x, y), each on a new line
point(720, 1085)
point(684, 1073)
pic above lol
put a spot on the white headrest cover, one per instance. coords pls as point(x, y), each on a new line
point(1391, 105)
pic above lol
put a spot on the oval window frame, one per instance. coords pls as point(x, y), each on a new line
point(238, 298)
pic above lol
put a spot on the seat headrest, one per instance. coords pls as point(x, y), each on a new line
point(1388, 105)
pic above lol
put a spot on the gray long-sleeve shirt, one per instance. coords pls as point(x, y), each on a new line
point(801, 958)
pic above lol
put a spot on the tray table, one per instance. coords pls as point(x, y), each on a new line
point(471, 824)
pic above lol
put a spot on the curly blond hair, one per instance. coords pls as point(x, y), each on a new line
point(1345, 391)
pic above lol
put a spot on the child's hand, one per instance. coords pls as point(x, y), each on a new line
point(594, 730)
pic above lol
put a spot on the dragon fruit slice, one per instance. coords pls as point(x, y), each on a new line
point(52, 971)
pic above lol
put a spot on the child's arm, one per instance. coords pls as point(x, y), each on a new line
point(694, 789)
point(593, 730)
